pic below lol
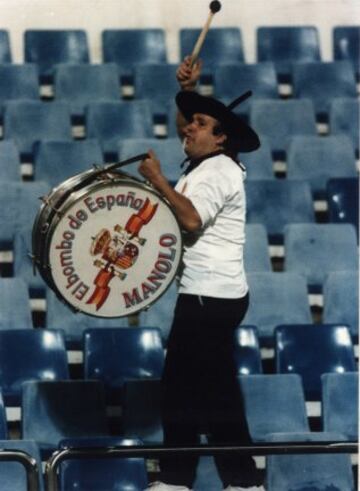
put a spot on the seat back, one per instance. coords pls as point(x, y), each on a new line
point(247, 351)
point(48, 47)
point(9, 161)
point(3, 421)
point(15, 311)
point(344, 119)
point(259, 164)
point(256, 249)
point(5, 49)
point(283, 398)
point(343, 200)
point(311, 351)
point(340, 398)
point(346, 45)
point(316, 249)
point(19, 82)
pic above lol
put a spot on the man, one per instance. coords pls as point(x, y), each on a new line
point(200, 390)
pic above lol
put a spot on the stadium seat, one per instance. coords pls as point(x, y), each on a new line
point(15, 311)
point(277, 298)
point(78, 85)
point(115, 355)
point(344, 118)
point(19, 203)
point(314, 250)
point(48, 47)
point(60, 316)
point(141, 416)
point(312, 350)
point(286, 45)
point(281, 120)
point(110, 122)
point(97, 474)
point(27, 122)
point(3, 422)
point(18, 82)
point(316, 160)
point(9, 161)
point(128, 47)
point(13, 474)
point(222, 45)
point(321, 82)
point(275, 203)
point(283, 398)
point(341, 300)
point(247, 351)
point(158, 84)
point(54, 410)
point(207, 477)
point(5, 48)
point(343, 200)
point(259, 164)
point(56, 161)
point(346, 45)
point(230, 81)
point(256, 249)
point(308, 472)
point(160, 314)
point(30, 354)
point(169, 151)
point(340, 398)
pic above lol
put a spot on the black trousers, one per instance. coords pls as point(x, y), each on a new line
point(200, 391)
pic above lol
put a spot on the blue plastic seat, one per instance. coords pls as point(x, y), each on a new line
point(5, 48)
point(30, 354)
point(346, 45)
point(344, 118)
point(306, 157)
point(275, 203)
point(27, 122)
point(56, 161)
point(12, 474)
point(158, 84)
point(128, 47)
point(115, 355)
point(232, 80)
point(343, 200)
point(277, 298)
point(222, 45)
point(285, 45)
point(3, 421)
point(310, 351)
point(48, 47)
point(259, 164)
point(273, 403)
point(60, 316)
point(54, 410)
point(110, 122)
point(79, 85)
point(321, 82)
point(169, 151)
point(256, 249)
point(9, 161)
point(94, 474)
point(161, 313)
point(340, 398)
point(281, 120)
point(247, 350)
point(18, 82)
point(15, 311)
point(314, 250)
point(308, 472)
point(341, 300)
point(19, 203)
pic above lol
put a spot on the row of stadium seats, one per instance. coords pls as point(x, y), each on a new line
point(27, 122)
point(78, 85)
point(125, 47)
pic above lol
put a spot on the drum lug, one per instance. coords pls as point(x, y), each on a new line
point(46, 201)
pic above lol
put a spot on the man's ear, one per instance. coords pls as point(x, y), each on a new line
point(221, 139)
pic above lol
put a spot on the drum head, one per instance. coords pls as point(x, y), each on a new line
point(113, 249)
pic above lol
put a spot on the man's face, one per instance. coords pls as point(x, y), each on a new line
point(199, 136)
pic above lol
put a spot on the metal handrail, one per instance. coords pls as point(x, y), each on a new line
point(147, 451)
point(30, 464)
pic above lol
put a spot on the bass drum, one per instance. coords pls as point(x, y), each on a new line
point(108, 245)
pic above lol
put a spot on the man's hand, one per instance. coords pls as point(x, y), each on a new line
point(188, 75)
point(150, 168)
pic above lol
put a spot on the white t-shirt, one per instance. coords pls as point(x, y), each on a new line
point(213, 257)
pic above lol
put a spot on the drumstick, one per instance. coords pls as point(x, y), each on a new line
point(214, 6)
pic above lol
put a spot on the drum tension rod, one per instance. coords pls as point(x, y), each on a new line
point(46, 201)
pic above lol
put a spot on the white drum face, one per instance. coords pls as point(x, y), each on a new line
point(115, 249)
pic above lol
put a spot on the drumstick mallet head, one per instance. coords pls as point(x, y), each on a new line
point(214, 6)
